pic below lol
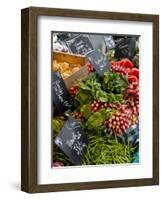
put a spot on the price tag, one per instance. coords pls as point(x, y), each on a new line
point(80, 44)
point(99, 61)
point(72, 141)
point(109, 41)
point(125, 47)
point(61, 97)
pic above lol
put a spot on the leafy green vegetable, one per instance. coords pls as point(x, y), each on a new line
point(109, 90)
point(101, 95)
point(82, 97)
point(57, 124)
point(114, 82)
point(96, 120)
point(86, 110)
point(91, 85)
point(110, 54)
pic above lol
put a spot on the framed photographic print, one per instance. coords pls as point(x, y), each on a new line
point(90, 99)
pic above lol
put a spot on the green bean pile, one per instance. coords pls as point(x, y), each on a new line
point(102, 150)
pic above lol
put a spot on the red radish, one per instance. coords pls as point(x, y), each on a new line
point(90, 67)
point(123, 66)
point(105, 105)
point(132, 79)
point(126, 63)
point(128, 70)
point(79, 115)
point(125, 116)
point(135, 72)
point(96, 106)
point(73, 90)
point(117, 118)
point(118, 69)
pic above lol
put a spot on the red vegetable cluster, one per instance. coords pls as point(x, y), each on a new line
point(119, 122)
point(78, 115)
point(127, 114)
point(90, 67)
point(73, 90)
point(126, 67)
point(133, 87)
point(98, 105)
point(122, 119)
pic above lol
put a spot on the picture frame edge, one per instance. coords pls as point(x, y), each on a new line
point(28, 101)
point(24, 99)
point(156, 99)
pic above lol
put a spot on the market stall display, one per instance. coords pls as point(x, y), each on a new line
point(104, 93)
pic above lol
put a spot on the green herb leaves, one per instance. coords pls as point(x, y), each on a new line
point(109, 89)
point(57, 124)
point(114, 82)
point(97, 119)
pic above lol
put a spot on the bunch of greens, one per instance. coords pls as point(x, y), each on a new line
point(108, 89)
point(114, 83)
point(95, 121)
point(57, 124)
point(90, 88)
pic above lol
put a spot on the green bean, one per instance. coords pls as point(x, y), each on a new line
point(106, 151)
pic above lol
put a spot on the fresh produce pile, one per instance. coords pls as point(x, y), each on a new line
point(108, 109)
point(66, 69)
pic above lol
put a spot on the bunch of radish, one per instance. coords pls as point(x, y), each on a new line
point(90, 67)
point(98, 105)
point(73, 90)
point(123, 66)
point(133, 103)
point(118, 123)
point(78, 115)
point(126, 67)
point(133, 87)
point(122, 119)
point(116, 67)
